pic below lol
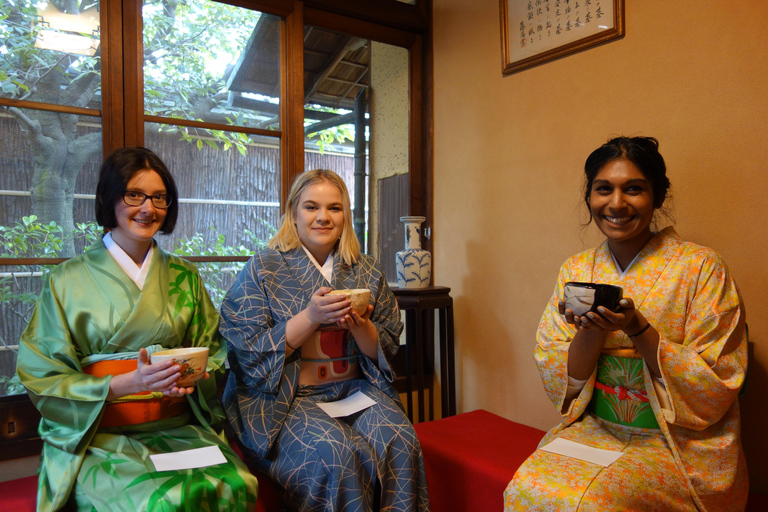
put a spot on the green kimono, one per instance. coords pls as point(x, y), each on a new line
point(89, 309)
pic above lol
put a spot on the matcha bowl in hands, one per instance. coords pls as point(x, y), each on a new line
point(360, 298)
point(192, 362)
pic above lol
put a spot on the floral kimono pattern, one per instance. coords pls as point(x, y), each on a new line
point(90, 309)
point(695, 459)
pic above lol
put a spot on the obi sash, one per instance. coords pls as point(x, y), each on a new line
point(619, 395)
point(340, 350)
point(134, 409)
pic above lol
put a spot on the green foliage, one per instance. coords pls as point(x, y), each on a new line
point(19, 286)
point(22, 64)
point(190, 47)
point(31, 239)
point(218, 276)
point(12, 385)
point(327, 137)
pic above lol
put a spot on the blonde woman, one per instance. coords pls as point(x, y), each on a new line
point(292, 345)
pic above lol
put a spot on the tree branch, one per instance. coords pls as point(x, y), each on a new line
point(27, 124)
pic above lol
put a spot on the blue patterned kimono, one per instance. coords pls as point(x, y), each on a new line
point(370, 460)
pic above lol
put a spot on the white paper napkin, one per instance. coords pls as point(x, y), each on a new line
point(582, 452)
point(188, 459)
point(350, 405)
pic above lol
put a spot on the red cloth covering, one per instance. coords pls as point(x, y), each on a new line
point(470, 458)
point(268, 499)
point(19, 495)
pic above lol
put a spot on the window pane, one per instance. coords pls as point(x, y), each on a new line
point(229, 198)
point(19, 288)
point(50, 56)
point(46, 210)
point(345, 75)
point(211, 62)
point(336, 87)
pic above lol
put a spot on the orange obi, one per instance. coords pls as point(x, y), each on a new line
point(134, 409)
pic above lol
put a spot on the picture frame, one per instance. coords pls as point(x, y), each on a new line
point(537, 31)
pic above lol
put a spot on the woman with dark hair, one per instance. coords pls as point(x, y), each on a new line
point(84, 359)
point(292, 345)
point(655, 381)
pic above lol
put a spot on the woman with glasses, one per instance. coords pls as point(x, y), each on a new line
point(84, 359)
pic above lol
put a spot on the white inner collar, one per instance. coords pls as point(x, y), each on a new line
point(326, 268)
point(137, 274)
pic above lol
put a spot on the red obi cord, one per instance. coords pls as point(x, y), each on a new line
point(624, 393)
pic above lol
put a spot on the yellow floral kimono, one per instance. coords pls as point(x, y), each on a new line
point(695, 459)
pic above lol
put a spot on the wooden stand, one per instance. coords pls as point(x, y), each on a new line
point(419, 305)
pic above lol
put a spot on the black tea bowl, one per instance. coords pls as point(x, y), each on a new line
point(582, 298)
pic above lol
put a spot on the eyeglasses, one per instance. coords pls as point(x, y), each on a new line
point(135, 198)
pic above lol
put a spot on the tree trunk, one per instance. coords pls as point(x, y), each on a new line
point(59, 154)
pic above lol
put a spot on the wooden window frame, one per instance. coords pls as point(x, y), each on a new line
point(122, 112)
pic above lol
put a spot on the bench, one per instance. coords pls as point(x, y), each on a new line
point(471, 457)
point(469, 460)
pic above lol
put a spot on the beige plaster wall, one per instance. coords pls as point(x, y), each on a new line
point(388, 123)
point(509, 153)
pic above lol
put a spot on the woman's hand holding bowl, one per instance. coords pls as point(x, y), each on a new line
point(606, 321)
point(324, 308)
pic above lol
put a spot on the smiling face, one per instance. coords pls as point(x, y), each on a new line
point(621, 203)
point(320, 218)
point(136, 225)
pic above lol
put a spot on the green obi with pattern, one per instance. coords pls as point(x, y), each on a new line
point(619, 395)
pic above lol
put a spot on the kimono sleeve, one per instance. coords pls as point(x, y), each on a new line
point(203, 331)
point(386, 318)
point(70, 402)
point(255, 340)
point(553, 339)
point(704, 374)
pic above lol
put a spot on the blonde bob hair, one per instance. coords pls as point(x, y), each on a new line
point(287, 236)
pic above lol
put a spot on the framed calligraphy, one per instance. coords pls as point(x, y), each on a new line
point(537, 31)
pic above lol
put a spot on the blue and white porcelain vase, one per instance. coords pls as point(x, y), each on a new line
point(414, 264)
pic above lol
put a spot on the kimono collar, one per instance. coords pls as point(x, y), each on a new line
point(648, 266)
point(137, 274)
point(326, 268)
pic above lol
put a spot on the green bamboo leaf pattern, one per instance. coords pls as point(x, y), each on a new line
point(106, 466)
point(626, 372)
point(186, 293)
point(159, 443)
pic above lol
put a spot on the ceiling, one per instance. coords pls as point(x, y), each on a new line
point(336, 69)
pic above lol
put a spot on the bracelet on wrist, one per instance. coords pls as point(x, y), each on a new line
point(641, 331)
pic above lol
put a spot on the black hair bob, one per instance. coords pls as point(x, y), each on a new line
point(115, 173)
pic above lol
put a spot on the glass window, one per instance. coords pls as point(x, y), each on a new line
point(212, 110)
point(49, 54)
point(211, 62)
point(212, 97)
point(336, 84)
point(356, 118)
point(50, 149)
